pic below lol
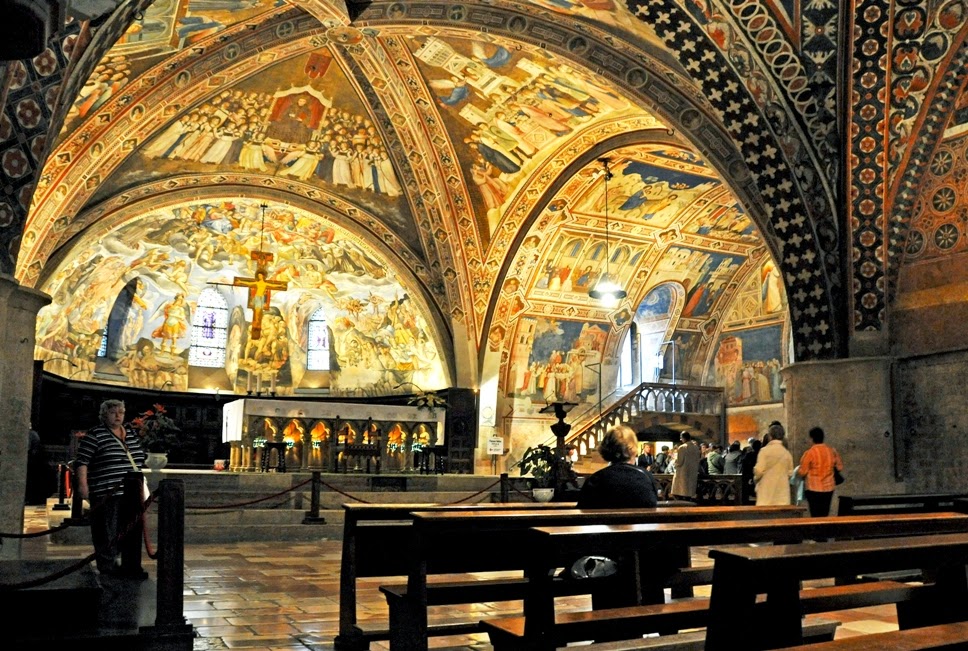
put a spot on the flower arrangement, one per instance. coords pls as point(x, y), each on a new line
point(157, 430)
point(427, 400)
point(547, 468)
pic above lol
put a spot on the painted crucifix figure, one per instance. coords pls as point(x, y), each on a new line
point(260, 290)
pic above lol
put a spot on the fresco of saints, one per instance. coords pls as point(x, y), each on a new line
point(175, 324)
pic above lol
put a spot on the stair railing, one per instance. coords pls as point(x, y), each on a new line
point(647, 397)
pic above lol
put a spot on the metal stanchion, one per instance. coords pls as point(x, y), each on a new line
point(77, 517)
point(312, 515)
point(63, 476)
point(170, 630)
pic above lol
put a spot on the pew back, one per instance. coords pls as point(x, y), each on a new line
point(898, 503)
point(490, 541)
point(550, 547)
point(741, 573)
point(369, 530)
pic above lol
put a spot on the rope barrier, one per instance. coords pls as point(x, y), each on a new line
point(480, 492)
point(33, 583)
point(35, 534)
point(336, 490)
point(153, 553)
point(256, 501)
point(523, 494)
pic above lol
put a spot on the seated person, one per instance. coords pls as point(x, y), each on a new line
point(621, 484)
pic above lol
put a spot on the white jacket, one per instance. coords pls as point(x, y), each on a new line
point(774, 467)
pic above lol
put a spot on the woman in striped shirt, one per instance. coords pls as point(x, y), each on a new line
point(104, 456)
point(817, 467)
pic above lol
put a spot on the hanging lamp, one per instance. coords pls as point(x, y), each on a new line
point(605, 289)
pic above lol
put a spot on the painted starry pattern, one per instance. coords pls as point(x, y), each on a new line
point(808, 289)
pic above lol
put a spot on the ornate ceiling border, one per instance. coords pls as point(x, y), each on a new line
point(920, 154)
point(76, 168)
point(898, 54)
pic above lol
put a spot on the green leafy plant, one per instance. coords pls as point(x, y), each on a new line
point(157, 430)
point(539, 461)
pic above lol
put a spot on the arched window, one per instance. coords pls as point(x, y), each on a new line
point(317, 349)
point(209, 327)
point(625, 371)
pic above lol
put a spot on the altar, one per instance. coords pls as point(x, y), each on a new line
point(302, 435)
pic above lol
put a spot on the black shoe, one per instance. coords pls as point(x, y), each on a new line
point(135, 575)
point(121, 573)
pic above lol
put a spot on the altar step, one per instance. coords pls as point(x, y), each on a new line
point(223, 507)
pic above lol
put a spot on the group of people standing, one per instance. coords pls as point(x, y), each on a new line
point(818, 468)
point(767, 468)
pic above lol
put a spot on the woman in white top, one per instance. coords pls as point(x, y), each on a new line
point(774, 467)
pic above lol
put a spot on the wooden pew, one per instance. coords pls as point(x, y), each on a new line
point(898, 503)
point(495, 541)
point(941, 636)
point(368, 531)
point(740, 574)
point(551, 547)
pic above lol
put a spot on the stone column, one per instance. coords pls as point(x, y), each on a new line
point(18, 317)
point(851, 399)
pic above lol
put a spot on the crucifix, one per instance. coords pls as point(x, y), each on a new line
point(260, 290)
point(260, 287)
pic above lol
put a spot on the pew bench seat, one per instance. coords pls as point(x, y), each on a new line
point(815, 629)
point(471, 591)
point(941, 636)
point(508, 633)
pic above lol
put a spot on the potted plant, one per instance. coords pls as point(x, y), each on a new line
point(159, 434)
point(547, 470)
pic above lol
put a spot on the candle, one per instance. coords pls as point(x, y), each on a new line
point(273, 382)
point(258, 384)
point(248, 382)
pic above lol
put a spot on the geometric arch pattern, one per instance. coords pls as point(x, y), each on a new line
point(922, 147)
point(809, 265)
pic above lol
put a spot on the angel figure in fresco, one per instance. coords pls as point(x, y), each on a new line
point(498, 58)
point(175, 324)
point(771, 287)
point(451, 92)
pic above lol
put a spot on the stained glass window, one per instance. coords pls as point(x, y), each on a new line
point(318, 346)
point(209, 327)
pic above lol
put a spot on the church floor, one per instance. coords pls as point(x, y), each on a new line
point(265, 597)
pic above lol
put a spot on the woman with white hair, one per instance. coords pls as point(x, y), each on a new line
point(621, 484)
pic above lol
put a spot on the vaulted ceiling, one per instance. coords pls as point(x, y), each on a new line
point(460, 146)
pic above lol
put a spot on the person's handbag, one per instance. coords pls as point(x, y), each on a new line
point(838, 477)
point(145, 491)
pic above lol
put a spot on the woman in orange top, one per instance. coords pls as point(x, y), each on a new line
point(817, 467)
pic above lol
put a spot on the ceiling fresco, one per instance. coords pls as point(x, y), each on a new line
point(455, 171)
point(166, 26)
point(377, 322)
point(507, 107)
point(693, 263)
point(939, 224)
point(300, 120)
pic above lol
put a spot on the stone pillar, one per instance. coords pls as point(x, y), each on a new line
point(18, 317)
point(851, 399)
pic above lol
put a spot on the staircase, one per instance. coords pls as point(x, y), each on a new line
point(642, 407)
point(223, 507)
